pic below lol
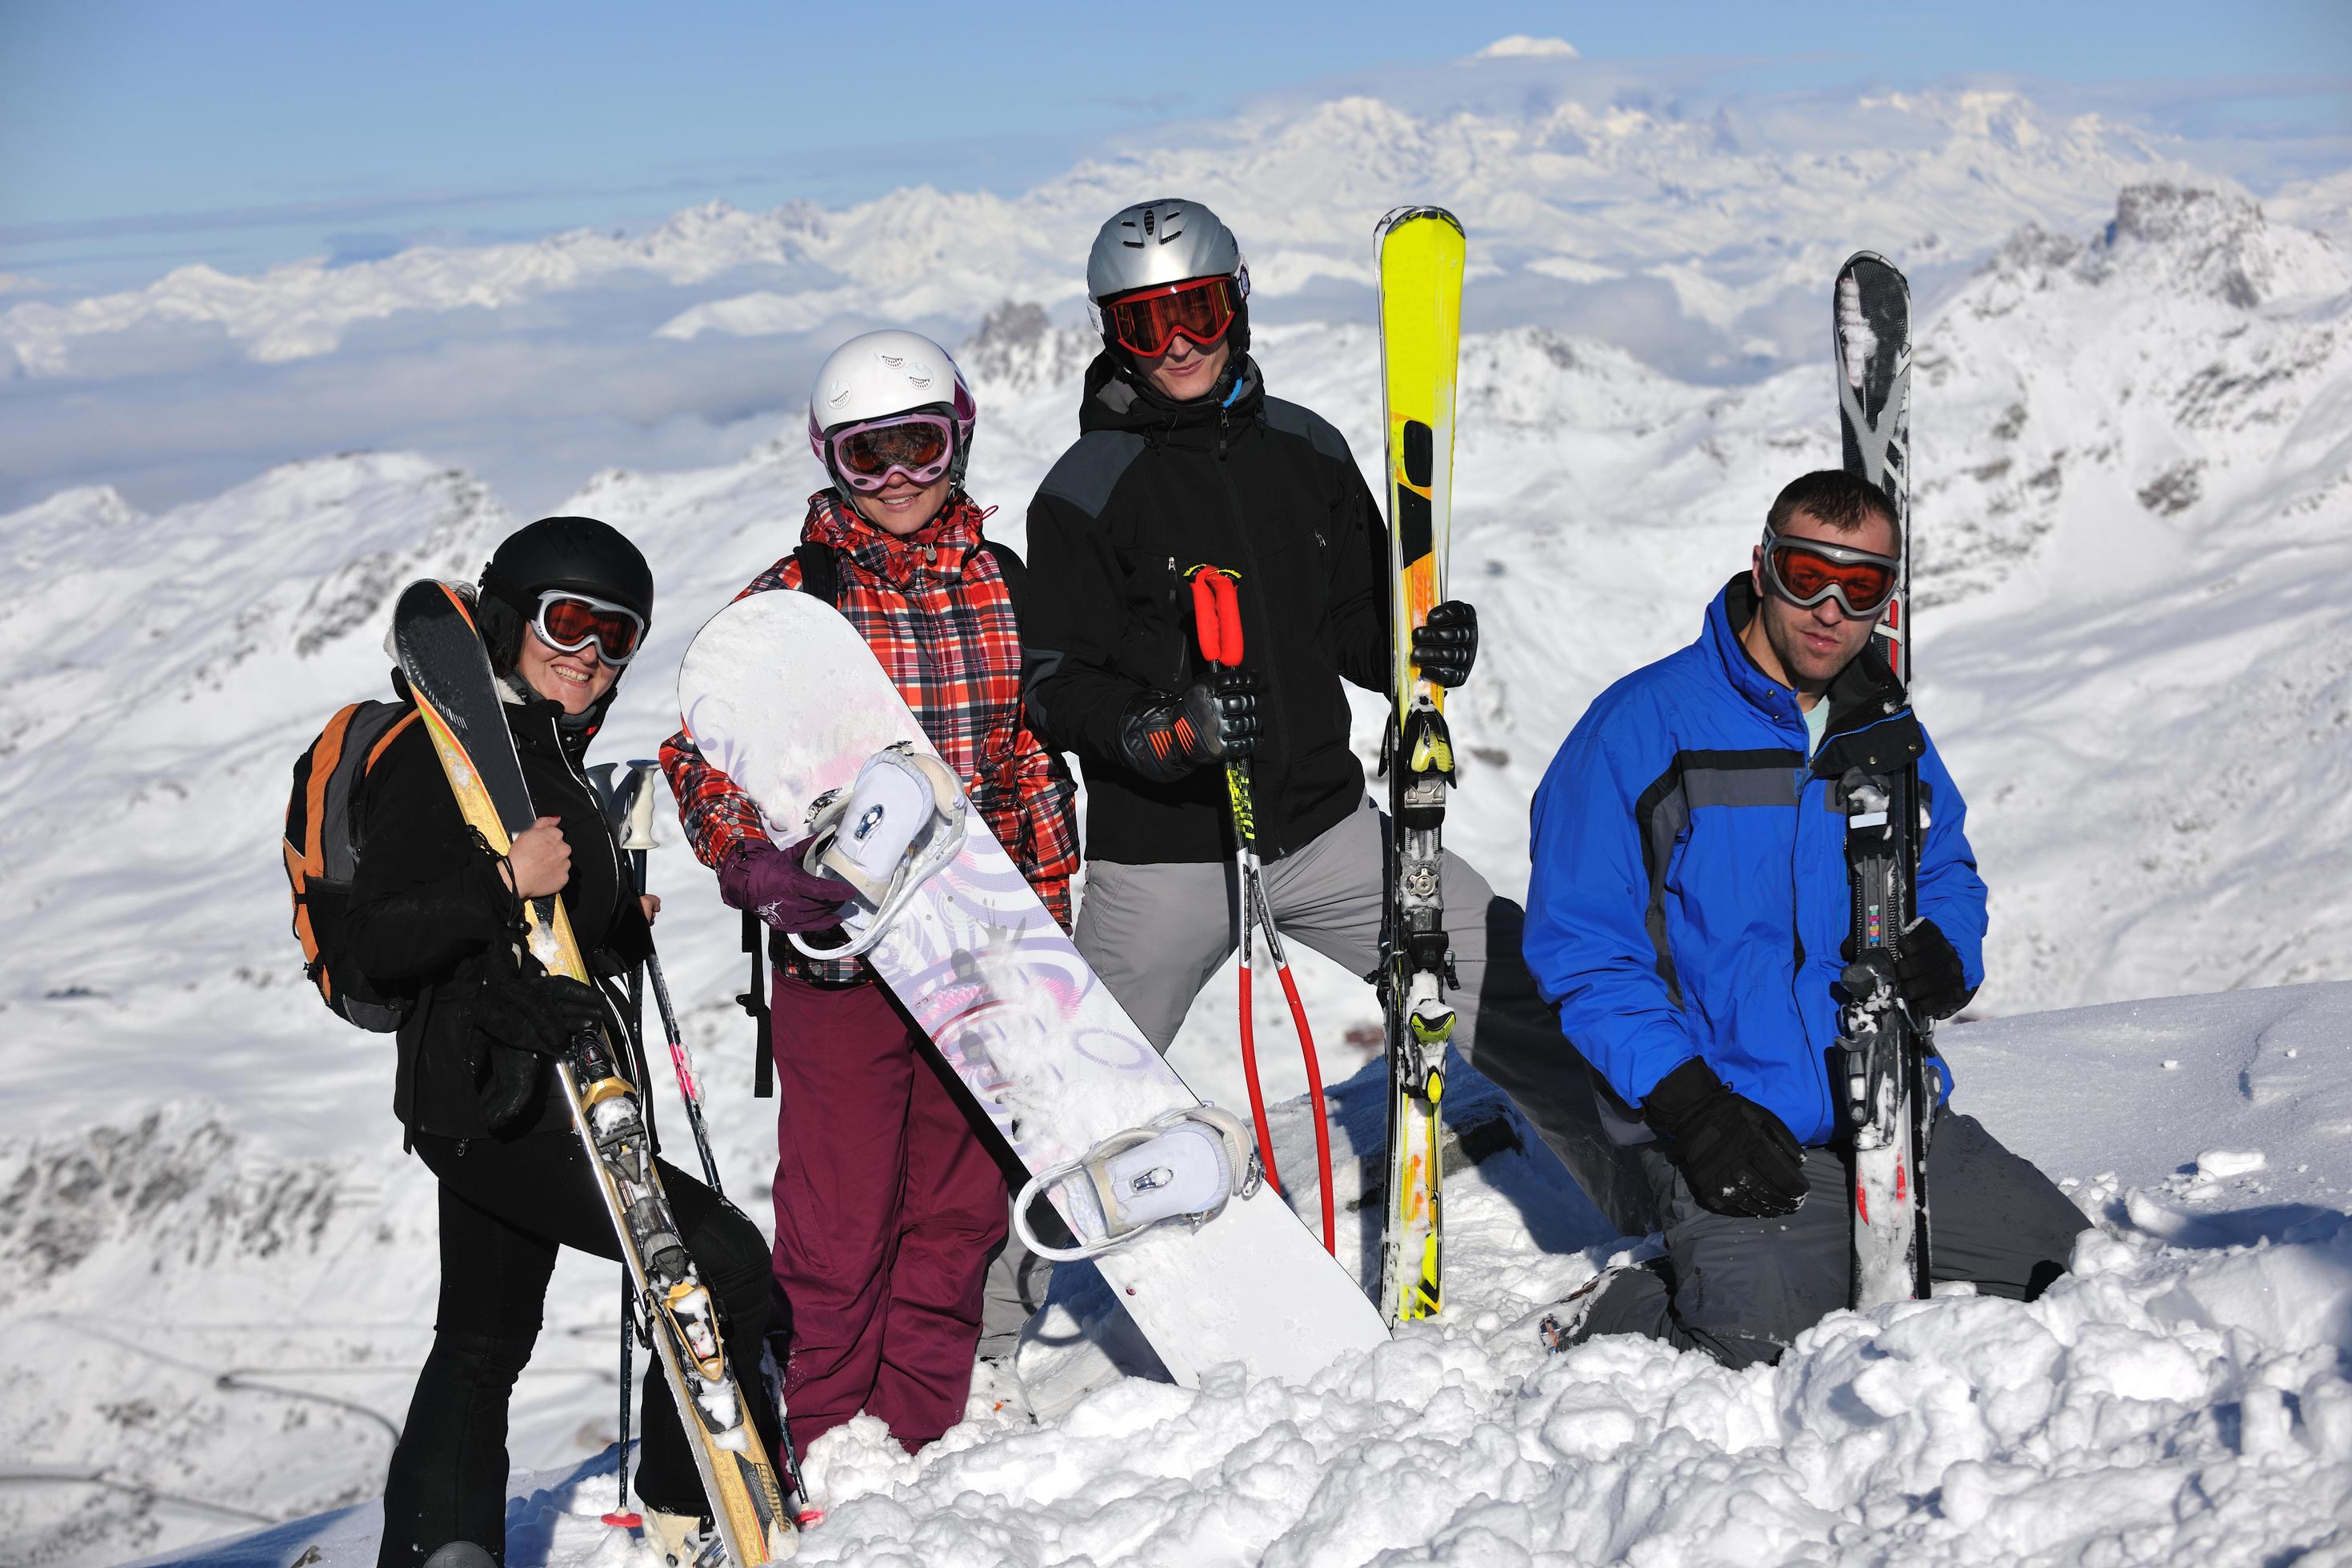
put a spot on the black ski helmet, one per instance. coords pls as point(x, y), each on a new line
point(581, 553)
point(576, 553)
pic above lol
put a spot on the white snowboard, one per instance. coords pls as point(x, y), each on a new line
point(784, 696)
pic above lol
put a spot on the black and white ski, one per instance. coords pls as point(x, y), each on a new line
point(1889, 1096)
point(448, 673)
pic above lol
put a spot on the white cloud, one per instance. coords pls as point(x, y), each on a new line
point(1527, 47)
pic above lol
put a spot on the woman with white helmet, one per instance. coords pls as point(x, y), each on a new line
point(889, 1198)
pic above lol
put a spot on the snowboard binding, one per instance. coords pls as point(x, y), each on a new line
point(898, 825)
point(1182, 1167)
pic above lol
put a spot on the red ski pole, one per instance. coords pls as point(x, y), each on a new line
point(1218, 633)
point(1216, 613)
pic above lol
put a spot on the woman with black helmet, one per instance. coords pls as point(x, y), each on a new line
point(563, 606)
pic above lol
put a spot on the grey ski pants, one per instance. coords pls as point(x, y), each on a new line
point(1156, 934)
point(1740, 1289)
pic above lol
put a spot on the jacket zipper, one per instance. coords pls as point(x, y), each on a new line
point(621, 886)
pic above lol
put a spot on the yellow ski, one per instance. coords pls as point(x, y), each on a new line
point(1422, 252)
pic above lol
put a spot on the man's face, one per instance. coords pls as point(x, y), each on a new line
point(1187, 370)
point(1814, 643)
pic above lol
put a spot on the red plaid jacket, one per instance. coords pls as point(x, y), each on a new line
point(936, 612)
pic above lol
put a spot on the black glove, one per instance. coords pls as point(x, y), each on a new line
point(518, 1019)
point(1736, 1156)
point(1928, 976)
point(1215, 721)
point(1929, 973)
point(1446, 645)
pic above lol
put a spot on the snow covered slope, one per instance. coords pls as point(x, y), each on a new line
point(2180, 1399)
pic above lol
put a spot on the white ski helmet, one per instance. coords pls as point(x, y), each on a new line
point(876, 375)
point(1163, 241)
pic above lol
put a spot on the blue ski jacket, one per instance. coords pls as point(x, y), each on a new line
point(1690, 895)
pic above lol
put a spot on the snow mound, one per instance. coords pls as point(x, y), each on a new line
point(2181, 1397)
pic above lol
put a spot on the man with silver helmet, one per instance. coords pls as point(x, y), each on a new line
point(1185, 459)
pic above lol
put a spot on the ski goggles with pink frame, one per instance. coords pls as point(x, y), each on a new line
point(920, 445)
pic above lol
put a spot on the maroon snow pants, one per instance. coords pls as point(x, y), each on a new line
point(888, 1206)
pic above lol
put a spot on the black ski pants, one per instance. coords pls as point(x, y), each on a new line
point(506, 1206)
point(1740, 1289)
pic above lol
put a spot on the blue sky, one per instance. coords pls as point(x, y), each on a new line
point(136, 136)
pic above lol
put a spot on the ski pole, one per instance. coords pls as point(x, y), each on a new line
point(638, 841)
point(689, 1086)
point(623, 1516)
point(1217, 619)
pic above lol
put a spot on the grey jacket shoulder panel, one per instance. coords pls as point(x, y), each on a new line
point(1086, 475)
point(1296, 419)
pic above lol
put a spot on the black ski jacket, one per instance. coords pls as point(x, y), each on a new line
point(429, 904)
point(1152, 489)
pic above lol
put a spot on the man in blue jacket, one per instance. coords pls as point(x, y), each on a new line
point(1686, 918)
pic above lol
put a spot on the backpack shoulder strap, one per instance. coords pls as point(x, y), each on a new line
point(378, 726)
point(819, 571)
point(1010, 566)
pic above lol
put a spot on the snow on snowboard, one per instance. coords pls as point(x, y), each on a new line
point(784, 696)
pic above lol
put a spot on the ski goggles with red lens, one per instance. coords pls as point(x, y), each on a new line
point(568, 622)
point(920, 445)
point(1805, 571)
point(1149, 322)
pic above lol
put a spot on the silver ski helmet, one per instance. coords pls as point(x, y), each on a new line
point(875, 380)
point(1157, 244)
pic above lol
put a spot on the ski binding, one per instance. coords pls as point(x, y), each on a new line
point(902, 821)
point(1182, 1167)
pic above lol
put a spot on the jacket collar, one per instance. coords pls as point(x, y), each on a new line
point(1863, 693)
point(937, 549)
point(1114, 401)
point(540, 725)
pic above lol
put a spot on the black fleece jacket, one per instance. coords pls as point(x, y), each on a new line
point(1152, 489)
point(428, 906)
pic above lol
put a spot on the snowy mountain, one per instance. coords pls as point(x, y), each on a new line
point(1729, 214)
point(1690, 229)
point(2136, 578)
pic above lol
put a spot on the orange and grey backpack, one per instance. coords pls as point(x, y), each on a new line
point(322, 840)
